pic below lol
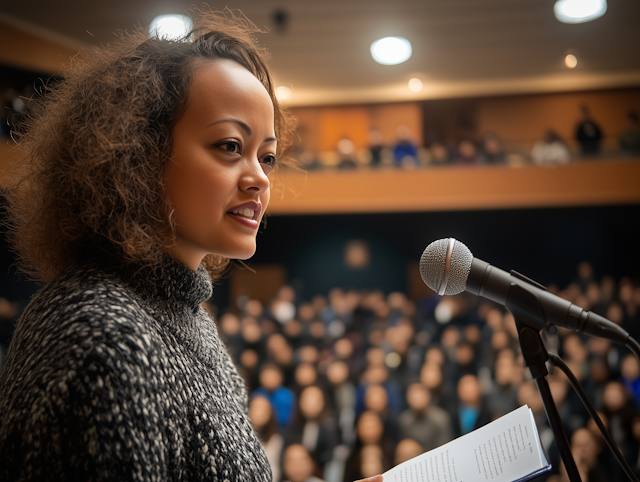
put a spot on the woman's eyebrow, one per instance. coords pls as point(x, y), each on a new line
point(244, 127)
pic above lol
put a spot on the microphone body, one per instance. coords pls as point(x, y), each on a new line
point(492, 283)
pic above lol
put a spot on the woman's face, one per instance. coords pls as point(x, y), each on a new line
point(224, 145)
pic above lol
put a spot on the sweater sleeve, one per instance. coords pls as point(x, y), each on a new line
point(82, 409)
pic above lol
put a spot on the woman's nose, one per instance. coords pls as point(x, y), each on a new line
point(253, 177)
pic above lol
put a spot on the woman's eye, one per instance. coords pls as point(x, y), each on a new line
point(229, 146)
point(268, 162)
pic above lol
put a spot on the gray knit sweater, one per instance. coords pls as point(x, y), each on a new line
point(119, 375)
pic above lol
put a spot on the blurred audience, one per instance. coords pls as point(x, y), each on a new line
point(630, 138)
point(551, 151)
point(588, 134)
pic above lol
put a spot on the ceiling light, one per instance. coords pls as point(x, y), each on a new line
point(571, 61)
point(579, 11)
point(415, 85)
point(170, 27)
point(283, 92)
point(391, 50)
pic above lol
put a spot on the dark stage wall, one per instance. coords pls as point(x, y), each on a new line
point(544, 244)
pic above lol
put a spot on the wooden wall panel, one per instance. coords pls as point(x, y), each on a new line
point(339, 122)
point(525, 119)
point(22, 49)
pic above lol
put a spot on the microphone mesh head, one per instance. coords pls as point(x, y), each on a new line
point(433, 262)
point(461, 259)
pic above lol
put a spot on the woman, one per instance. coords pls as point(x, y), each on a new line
point(149, 162)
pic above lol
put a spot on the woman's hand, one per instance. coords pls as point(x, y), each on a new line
point(375, 478)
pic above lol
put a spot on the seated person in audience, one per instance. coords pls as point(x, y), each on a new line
point(406, 450)
point(620, 413)
point(304, 375)
point(377, 400)
point(492, 150)
point(597, 377)
point(249, 369)
point(503, 397)
point(427, 424)
point(282, 399)
point(343, 399)
point(379, 375)
point(405, 152)
point(375, 148)
point(471, 412)
point(551, 151)
point(346, 154)
point(465, 361)
point(265, 425)
point(298, 465)
point(440, 155)
point(230, 333)
point(467, 154)
point(630, 377)
point(586, 449)
point(313, 426)
point(630, 138)
point(365, 461)
point(431, 377)
point(588, 134)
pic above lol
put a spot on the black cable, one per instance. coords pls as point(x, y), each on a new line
point(556, 360)
point(634, 346)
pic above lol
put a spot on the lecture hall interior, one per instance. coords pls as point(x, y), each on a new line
point(506, 126)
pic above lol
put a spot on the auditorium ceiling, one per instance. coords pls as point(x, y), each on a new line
point(460, 47)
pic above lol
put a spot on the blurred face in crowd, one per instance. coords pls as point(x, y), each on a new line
point(259, 412)
point(376, 399)
point(431, 376)
point(344, 348)
point(371, 461)
point(337, 372)
point(406, 450)
point(308, 354)
point(249, 359)
point(311, 402)
point(305, 375)
point(585, 447)
point(630, 369)
point(418, 397)
point(469, 390)
point(434, 355)
point(297, 464)
point(270, 378)
point(375, 356)
point(223, 147)
point(528, 395)
point(369, 428)
point(614, 397)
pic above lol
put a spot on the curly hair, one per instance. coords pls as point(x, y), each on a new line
point(91, 175)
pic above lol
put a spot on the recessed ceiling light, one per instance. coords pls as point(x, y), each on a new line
point(415, 85)
point(579, 11)
point(571, 61)
point(170, 27)
point(391, 50)
point(283, 92)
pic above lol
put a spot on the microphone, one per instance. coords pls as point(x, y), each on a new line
point(448, 268)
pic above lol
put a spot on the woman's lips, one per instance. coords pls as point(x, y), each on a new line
point(247, 214)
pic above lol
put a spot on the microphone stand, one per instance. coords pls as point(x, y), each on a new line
point(527, 312)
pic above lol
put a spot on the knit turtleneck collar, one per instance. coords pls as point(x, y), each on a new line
point(171, 281)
